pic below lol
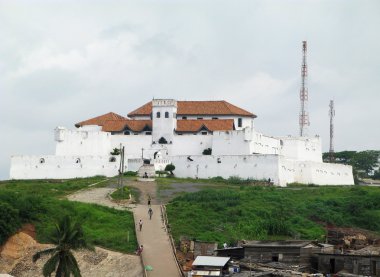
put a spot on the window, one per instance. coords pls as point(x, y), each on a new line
point(112, 159)
point(204, 133)
point(42, 160)
point(184, 117)
point(214, 118)
point(158, 115)
point(166, 114)
point(77, 161)
point(148, 133)
point(199, 117)
point(240, 122)
point(127, 133)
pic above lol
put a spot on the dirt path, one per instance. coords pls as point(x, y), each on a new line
point(157, 251)
point(96, 196)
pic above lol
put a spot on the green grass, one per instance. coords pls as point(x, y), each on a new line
point(122, 193)
point(103, 226)
point(246, 212)
point(51, 188)
point(233, 180)
point(40, 202)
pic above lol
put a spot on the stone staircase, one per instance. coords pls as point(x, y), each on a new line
point(148, 169)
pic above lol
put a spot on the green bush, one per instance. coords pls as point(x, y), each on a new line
point(130, 173)
point(9, 221)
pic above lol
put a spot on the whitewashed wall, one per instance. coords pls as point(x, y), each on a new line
point(263, 144)
point(132, 144)
point(302, 148)
point(82, 142)
point(250, 166)
point(190, 144)
point(230, 143)
point(309, 172)
point(62, 167)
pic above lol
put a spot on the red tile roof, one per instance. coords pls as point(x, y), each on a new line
point(195, 125)
point(99, 120)
point(197, 108)
point(120, 125)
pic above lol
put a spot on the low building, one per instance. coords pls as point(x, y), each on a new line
point(367, 265)
point(209, 266)
point(302, 253)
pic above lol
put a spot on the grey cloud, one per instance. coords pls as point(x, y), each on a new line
point(115, 56)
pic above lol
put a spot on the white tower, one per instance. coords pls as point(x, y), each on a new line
point(164, 116)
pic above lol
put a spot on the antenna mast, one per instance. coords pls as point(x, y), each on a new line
point(304, 96)
point(332, 115)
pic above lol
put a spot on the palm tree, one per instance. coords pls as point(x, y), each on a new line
point(67, 236)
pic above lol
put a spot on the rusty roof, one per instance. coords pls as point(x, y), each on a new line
point(120, 125)
point(197, 108)
point(99, 120)
point(195, 125)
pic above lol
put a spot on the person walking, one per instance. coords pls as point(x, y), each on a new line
point(140, 224)
point(149, 200)
point(150, 213)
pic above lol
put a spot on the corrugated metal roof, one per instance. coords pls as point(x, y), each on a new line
point(204, 273)
point(280, 243)
point(211, 261)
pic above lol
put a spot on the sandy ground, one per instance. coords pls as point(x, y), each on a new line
point(16, 259)
point(101, 263)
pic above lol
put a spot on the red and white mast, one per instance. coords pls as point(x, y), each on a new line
point(304, 96)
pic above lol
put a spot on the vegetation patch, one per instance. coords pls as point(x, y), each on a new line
point(246, 212)
point(122, 193)
point(38, 202)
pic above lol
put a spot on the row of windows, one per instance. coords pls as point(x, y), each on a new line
point(158, 114)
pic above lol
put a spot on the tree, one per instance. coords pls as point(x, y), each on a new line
point(115, 152)
point(67, 236)
point(170, 168)
point(365, 161)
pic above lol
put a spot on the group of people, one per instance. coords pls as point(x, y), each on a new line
point(150, 213)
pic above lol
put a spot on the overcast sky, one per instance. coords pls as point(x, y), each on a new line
point(62, 62)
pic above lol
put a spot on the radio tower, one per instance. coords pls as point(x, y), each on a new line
point(304, 96)
point(332, 115)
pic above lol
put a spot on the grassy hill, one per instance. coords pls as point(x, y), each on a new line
point(245, 212)
point(42, 202)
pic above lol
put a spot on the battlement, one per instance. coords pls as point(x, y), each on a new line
point(164, 103)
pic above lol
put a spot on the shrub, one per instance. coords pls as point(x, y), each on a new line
point(207, 151)
point(9, 221)
point(170, 168)
point(115, 152)
point(130, 173)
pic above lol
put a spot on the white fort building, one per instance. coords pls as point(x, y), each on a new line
point(168, 131)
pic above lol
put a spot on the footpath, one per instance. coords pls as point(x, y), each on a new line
point(157, 251)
